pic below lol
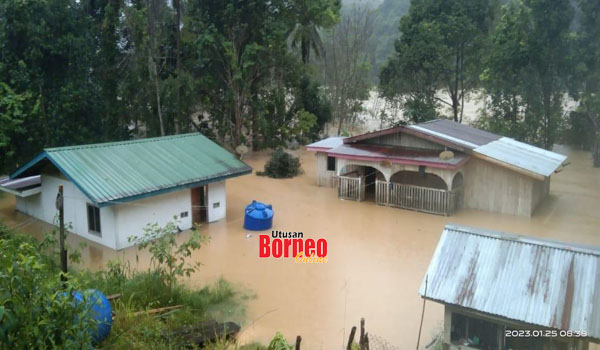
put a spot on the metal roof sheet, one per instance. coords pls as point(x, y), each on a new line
point(328, 143)
point(16, 184)
point(122, 171)
point(396, 155)
point(522, 155)
point(540, 282)
point(458, 133)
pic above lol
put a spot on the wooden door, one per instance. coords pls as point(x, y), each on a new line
point(199, 204)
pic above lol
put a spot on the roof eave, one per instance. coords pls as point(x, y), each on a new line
point(318, 149)
point(401, 161)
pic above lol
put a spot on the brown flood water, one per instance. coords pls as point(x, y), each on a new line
point(377, 256)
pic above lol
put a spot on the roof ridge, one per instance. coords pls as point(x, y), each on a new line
point(118, 143)
point(542, 242)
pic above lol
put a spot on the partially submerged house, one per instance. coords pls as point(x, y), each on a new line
point(112, 190)
point(437, 167)
point(505, 291)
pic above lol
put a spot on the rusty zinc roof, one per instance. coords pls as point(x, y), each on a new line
point(122, 171)
point(540, 282)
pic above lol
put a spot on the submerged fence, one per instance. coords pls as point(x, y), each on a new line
point(350, 188)
point(429, 200)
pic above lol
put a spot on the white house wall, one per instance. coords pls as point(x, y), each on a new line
point(43, 207)
point(132, 217)
point(217, 201)
point(119, 221)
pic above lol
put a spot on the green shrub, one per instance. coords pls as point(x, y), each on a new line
point(281, 165)
point(36, 311)
point(169, 260)
point(279, 343)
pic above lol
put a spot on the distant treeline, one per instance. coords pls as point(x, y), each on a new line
point(82, 71)
point(526, 59)
point(269, 72)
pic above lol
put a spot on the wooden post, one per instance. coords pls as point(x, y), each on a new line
point(298, 341)
point(362, 333)
point(351, 338)
point(422, 312)
point(61, 222)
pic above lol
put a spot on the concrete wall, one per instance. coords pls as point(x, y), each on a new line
point(217, 201)
point(132, 217)
point(42, 206)
point(493, 188)
point(324, 177)
point(119, 221)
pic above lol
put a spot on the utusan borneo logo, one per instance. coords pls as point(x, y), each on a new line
point(293, 245)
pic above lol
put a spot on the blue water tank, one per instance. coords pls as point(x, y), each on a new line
point(259, 216)
point(101, 312)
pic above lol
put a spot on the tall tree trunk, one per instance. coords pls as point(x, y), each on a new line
point(157, 91)
point(177, 6)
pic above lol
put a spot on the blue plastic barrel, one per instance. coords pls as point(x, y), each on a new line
point(101, 312)
point(258, 217)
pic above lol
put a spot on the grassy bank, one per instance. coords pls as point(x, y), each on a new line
point(35, 312)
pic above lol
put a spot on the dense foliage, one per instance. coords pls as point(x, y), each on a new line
point(36, 310)
point(527, 60)
point(269, 73)
point(74, 72)
point(439, 50)
point(282, 165)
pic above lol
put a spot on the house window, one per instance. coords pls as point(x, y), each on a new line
point(93, 214)
point(330, 163)
point(478, 333)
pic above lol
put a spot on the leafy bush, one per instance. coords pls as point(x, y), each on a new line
point(279, 343)
point(169, 259)
point(281, 165)
point(36, 311)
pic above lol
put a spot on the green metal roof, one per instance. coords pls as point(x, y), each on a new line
point(123, 171)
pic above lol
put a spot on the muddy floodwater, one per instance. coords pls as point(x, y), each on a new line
point(377, 256)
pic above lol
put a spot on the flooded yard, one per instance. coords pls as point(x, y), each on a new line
point(377, 256)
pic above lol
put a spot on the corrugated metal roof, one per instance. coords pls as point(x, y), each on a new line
point(506, 151)
point(122, 171)
point(540, 282)
point(396, 155)
point(522, 155)
point(461, 134)
point(328, 143)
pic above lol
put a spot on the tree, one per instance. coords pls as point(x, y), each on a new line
point(308, 17)
point(527, 70)
point(346, 69)
point(236, 45)
point(439, 49)
point(16, 111)
point(47, 57)
point(584, 123)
